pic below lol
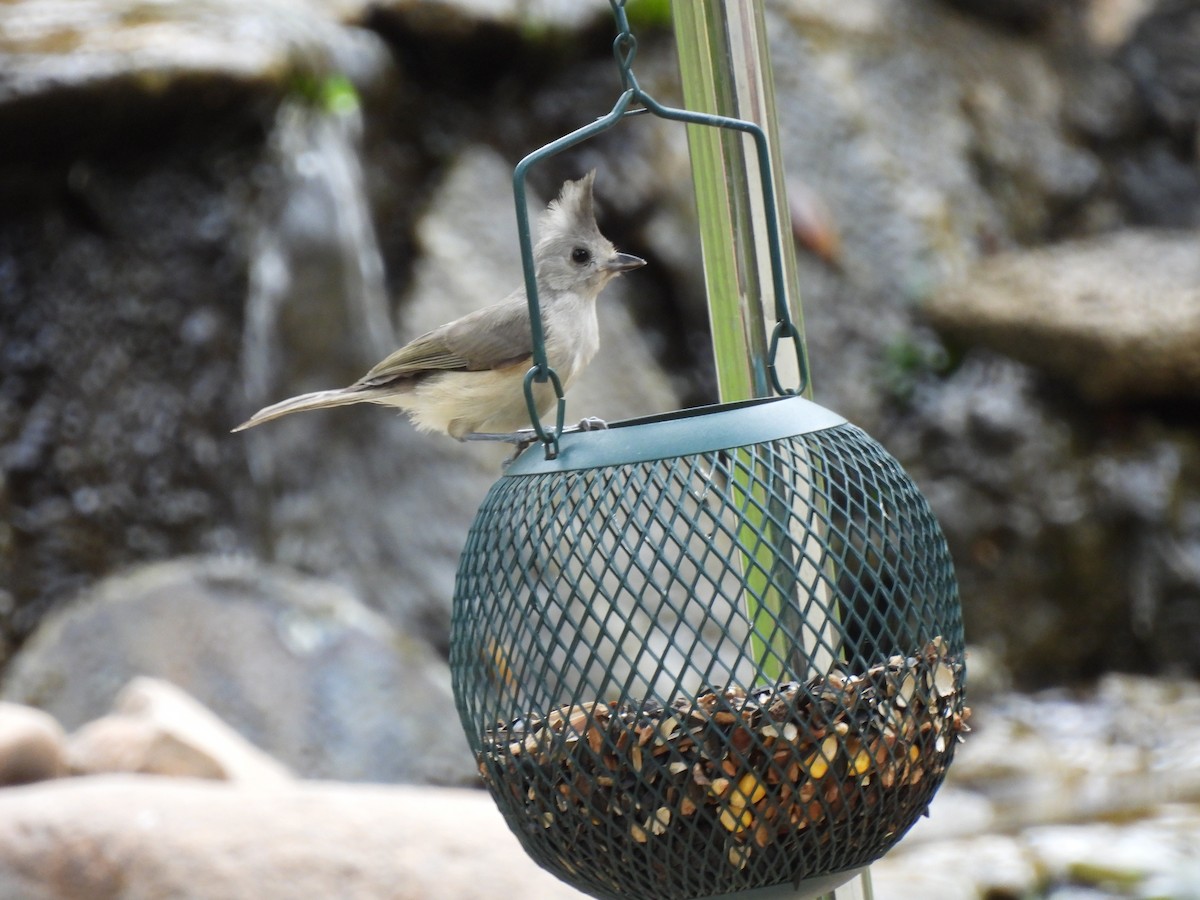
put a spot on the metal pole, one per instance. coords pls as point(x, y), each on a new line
point(726, 70)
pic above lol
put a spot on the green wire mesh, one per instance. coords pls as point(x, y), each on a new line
point(710, 672)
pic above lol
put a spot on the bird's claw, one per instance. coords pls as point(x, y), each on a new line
point(521, 438)
point(590, 423)
point(526, 436)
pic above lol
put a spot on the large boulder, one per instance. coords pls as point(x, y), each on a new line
point(1117, 316)
point(297, 665)
point(139, 837)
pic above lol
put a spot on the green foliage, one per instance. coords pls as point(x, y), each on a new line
point(334, 94)
point(908, 360)
point(648, 14)
point(644, 16)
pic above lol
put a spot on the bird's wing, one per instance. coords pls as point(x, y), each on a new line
point(494, 337)
point(489, 338)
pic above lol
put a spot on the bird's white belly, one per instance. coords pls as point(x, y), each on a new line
point(493, 401)
point(460, 403)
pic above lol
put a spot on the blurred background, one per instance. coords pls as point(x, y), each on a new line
point(207, 206)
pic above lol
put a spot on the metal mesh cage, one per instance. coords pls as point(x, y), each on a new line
point(707, 653)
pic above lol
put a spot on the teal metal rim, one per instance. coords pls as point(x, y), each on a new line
point(703, 429)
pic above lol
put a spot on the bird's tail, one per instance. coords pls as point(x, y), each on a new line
point(315, 400)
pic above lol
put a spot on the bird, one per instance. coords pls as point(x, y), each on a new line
point(466, 378)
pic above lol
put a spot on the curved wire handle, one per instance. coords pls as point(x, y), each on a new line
point(625, 51)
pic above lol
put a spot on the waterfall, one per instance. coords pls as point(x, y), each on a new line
point(317, 308)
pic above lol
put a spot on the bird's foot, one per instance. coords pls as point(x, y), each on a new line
point(521, 437)
point(520, 440)
point(525, 436)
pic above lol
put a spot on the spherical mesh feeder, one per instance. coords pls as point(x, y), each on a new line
point(709, 652)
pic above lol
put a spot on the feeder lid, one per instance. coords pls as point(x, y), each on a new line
point(704, 429)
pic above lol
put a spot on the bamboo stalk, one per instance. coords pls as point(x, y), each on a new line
point(725, 69)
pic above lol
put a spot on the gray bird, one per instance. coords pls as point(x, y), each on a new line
point(466, 378)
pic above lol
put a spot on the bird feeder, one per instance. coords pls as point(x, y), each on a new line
point(707, 653)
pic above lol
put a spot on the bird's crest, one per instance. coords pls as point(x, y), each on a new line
point(573, 211)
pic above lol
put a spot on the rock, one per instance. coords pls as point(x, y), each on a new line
point(1109, 23)
point(1101, 106)
point(1159, 185)
point(88, 75)
point(1019, 14)
point(1115, 750)
point(31, 745)
point(140, 837)
point(156, 283)
point(931, 138)
point(55, 50)
point(157, 729)
point(1148, 858)
point(1156, 175)
point(297, 665)
point(1118, 316)
point(126, 461)
point(984, 866)
point(114, 744)
point(454, 18)
point(1076, 536)
point(1161, 56)
point(1095, 787)
point(959, 809)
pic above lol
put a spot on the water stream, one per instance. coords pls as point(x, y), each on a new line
point(314, 259)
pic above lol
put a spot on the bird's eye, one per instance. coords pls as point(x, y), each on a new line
point(581, 256)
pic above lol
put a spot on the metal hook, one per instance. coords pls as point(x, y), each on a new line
point(625, 48)
point(625, 51)
point(543, 373)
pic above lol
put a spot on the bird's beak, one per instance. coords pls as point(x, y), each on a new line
point(622, 262)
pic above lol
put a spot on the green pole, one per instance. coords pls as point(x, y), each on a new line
point(725, 69)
